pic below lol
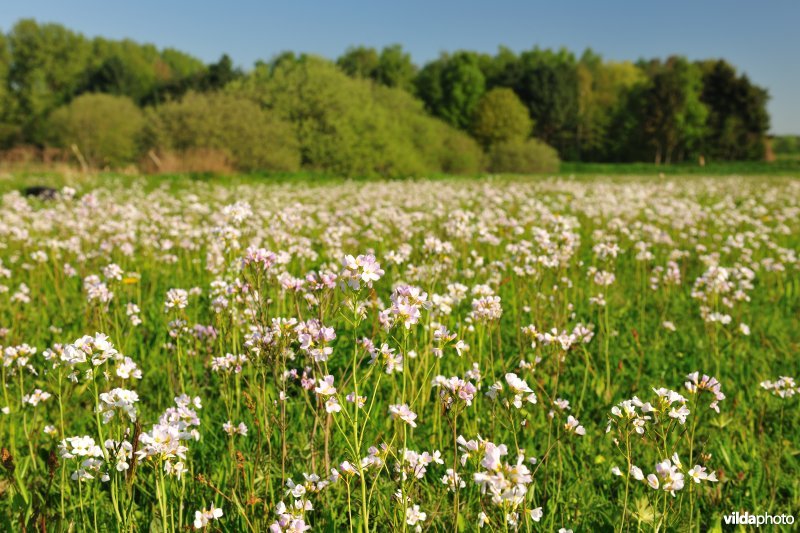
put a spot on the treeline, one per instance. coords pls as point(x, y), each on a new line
point(587, 108)
point(368, 113)
point(787, 146)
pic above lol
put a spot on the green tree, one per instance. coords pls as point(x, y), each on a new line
point(673, 117)
point(786, 145)
point(359, 62)
point(220, 74)
point(392, 67)
point(329, 112)
point(499, 70)
point(547, 83)
point(177, 73)
point(395, 68)
point(738, 121)
point(451, 87)
point(105, 128)
point(500, 116)
point(123, 68)
point(184, 66)
point(350, 126)
point(47, 68)
point(9, 129)
point(435, 145)
point(602, 87)
point(142, 72)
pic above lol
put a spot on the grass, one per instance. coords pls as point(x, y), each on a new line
point(20, 176)
point(780, 167)
point(578, 320)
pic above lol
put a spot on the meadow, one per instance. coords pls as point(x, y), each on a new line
point(549, 354)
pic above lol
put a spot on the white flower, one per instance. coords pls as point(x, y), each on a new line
point(680, 413)
point(176, 299)
point(332, 405)
point(403, 413)
point(73, 447)
point(204, 516)
point(118, 399)
point(362, 400)
point(325, 387)
point(698, 473)
point(232, 430)
point(414, 516)
point(573, 426)
point(35, 397)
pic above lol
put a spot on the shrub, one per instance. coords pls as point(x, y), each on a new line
point(220, 123)
point(523, 157)
point(200, 160)
point(459, 153)
point(354, 127)
point(429, 144)
point(105, 128)
point(500, 116)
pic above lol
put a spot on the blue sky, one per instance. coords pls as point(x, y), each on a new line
point(761, 38)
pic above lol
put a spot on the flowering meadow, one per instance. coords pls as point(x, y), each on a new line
point(443, 355)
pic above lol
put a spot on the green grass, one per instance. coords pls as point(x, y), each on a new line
point(529, 241)
point(37, 175)
point(780, 167)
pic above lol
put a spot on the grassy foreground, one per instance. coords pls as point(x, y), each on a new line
point(588, 354)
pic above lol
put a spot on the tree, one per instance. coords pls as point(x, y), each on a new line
point(500, 69)
point(353, 127)
point(359, 62)
point(392, 67)
point(451, 87)
point(47, 67)
point(588, 109)
point(181, 65)
point(602, 88)
point(219, 74)
point(9, 130)
point(786, 145)
point(141, 72)
point(547, 83)
point(500, 116)
point(395, 68)
point(105, 128)
point(123, 70)
point(737, 116)
point(672, 113)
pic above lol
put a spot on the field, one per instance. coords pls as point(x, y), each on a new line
point(604, 354)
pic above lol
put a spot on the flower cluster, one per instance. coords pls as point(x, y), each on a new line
point(783, 387)
point(515, 393)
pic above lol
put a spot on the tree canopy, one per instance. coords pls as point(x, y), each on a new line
point(587, 108)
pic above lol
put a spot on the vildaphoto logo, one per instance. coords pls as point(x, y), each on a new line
point(758, 520)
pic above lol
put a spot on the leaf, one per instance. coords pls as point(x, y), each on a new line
point(716, 526)
point(644, 511)
point(462, 522)
point(722, 420)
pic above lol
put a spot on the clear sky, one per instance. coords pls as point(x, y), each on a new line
point(762, 38)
